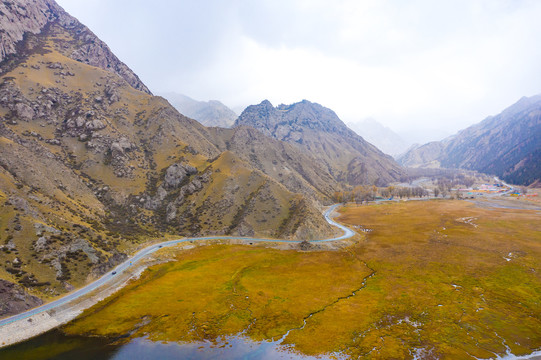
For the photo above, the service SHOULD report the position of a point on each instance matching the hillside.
(208, 113)
(507, 145)
(92, 165)
(298, 171)
(24, 17)
(319, 132)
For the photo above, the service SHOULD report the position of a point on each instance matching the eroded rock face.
(14, 300)
(32, 16)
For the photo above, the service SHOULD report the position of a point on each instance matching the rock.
(120, 146)
(95, 125)
(68, 286)
(24, 111)
(53, 142)
(79, 122)
(14, 300)
(40, 244)
(55, 65)
(176, 173)
(161, 193)
(111, 93)
(171, 212)
(84, 245)
(57, 266)
(40, 228)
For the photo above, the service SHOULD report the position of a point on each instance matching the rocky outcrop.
(20, 17)
(14, 300)
(176, 174)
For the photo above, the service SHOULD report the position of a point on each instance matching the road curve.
(149, 250)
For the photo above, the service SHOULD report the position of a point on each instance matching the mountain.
(298, 171)
(384, 138)
(318, 131)
(93, 166)
(507, 145)
(208, 113)
(24, 17)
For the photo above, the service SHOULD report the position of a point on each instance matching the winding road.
(130, 262)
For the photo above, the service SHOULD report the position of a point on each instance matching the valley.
(136, 226)
(441, 278)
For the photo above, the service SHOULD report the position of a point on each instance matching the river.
(58, 346)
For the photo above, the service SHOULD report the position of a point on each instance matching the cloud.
(415, 64)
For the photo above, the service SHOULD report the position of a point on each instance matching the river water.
(55, 345)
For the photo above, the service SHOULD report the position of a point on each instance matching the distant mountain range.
(507, 145)
(208, 113)
(384, 138)
(318, 131)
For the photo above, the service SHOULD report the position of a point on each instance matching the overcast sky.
(411, 65)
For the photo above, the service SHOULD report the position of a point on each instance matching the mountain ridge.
(507, 145)
(23, 17)
(318, 130)
(211, 113)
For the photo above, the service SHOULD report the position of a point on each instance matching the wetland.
(430, 279)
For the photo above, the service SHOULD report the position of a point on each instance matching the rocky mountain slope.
(23, 17)
(319, 132)
(208, 113)
(381, 136)
(507, 145)
(92, 166)
(296, 170)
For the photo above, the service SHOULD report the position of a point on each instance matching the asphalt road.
(108, 277)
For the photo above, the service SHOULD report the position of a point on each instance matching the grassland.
(438, 279)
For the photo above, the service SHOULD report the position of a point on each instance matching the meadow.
(425, 279)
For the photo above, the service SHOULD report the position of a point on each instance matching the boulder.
(24, 112)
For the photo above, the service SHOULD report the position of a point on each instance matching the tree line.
(361, 193)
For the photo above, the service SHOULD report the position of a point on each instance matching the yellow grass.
(442, 287)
